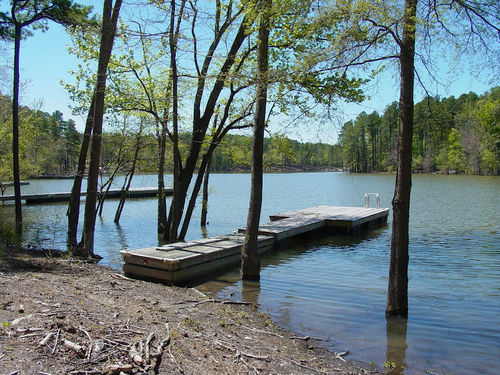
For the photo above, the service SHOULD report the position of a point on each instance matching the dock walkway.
(185, 261)
(64, 197)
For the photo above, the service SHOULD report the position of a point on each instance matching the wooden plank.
(289, 227)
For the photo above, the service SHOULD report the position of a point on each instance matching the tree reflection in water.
(396, 345)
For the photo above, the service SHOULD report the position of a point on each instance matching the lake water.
(334, 287)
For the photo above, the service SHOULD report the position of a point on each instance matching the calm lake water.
(334, 287)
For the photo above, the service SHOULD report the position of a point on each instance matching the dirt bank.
(59, 315)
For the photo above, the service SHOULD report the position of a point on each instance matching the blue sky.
(45, 61)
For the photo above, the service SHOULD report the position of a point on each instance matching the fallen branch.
(123, 277)
(341, 355)
(228, 347)
(117, 369)
(28, 330)
(31, 335)
(78, 349)
(19, 320)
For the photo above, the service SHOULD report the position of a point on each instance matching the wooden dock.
(64, 197)
(181, 262)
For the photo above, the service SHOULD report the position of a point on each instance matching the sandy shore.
(59, 315)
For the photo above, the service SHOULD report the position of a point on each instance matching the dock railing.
(367, 199)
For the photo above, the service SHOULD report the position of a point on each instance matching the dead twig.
(46, 339)
(57, 340)
(306, 338)
(123, 277)
(175, 361)
(260, 331)
(223, 302)
(306, 367)
(250, 366)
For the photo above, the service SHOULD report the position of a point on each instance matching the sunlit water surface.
(334, 287)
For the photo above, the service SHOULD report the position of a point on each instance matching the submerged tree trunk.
(109, 22)
(196, 190)
(204, 199)
(129, 177)
(397, 295)
(15, 134)
(74, 200)
(162, 200)
(250, 264)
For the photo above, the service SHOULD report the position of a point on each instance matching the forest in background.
(460, 135)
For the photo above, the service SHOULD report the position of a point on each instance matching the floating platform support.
(181, 262)
(64, 197)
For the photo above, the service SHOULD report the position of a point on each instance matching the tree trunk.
(196, 189)
(176, 207)
(15, 134)
(397, 295)
(204, 201)
(74, 200)
(129, 177)
(250, 264)
(162, 201)
(200, 127)
(109, 22)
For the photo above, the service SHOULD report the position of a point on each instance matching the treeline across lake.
(50, 145)
(460, 135)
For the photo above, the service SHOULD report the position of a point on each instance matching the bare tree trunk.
(194, 194)
(129, 177)
(74, 200)
(250, 264)
(162, 202)
(204, 201)
(397, 295)
(109, 22)
(176, 207)
(15, 134)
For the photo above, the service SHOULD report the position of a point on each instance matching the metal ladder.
(367, 199)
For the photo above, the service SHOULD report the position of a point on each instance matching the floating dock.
(64, 197)
(182, 262)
